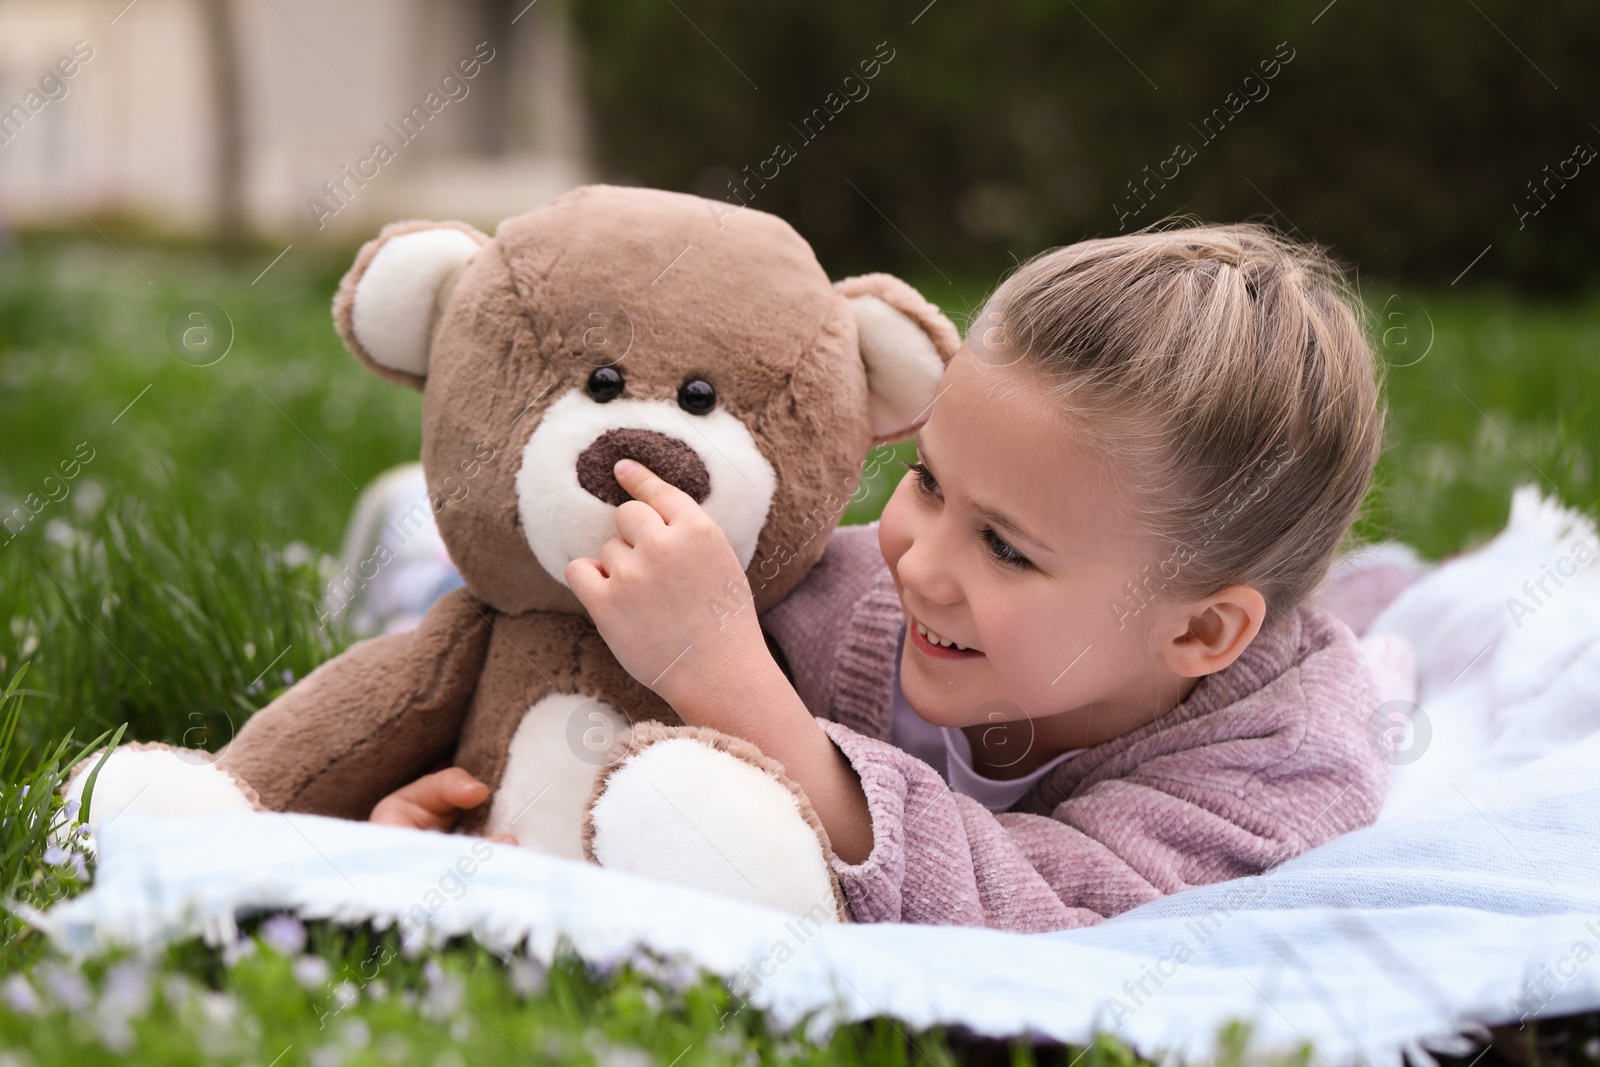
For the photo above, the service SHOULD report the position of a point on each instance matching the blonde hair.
(1228, 369)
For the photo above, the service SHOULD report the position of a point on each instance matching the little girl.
(1074, 667)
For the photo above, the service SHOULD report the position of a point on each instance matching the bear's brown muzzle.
(668, 457)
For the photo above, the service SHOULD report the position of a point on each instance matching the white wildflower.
(356, 1033)
(67, 984)
(239, 949)
(312, 972)
(299, 554)
(345, 996)
(59, 531)
(125, 992)
(443, 999)
(218, 1007)
(528, 976)
(176, 989)
(624, 1056)
(88, 498)
(20, 996)
(433, 973)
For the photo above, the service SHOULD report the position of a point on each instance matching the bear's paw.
(691, 805)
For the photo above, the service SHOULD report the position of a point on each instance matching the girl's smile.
(1008, 547)
(937, 646)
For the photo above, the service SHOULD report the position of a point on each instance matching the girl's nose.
(924, 568)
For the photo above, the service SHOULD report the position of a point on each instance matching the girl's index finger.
(644, 484)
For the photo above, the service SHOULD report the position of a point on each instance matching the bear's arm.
(370, 720)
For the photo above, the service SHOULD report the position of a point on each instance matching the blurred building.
(289, 119)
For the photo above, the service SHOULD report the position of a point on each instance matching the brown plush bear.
(708, 344)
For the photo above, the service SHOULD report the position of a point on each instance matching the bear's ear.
(392, 295)
(905, 344)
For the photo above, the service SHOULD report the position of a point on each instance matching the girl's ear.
(1207, 635)
(393, 294)
(905, 343)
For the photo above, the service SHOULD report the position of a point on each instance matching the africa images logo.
(1399, 732)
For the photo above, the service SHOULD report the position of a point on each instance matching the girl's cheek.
(1004, 632)
(1031, 644)
(894, 526)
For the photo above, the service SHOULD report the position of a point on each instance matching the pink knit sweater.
(1263, 760)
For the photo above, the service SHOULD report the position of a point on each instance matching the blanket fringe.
(1533, 512)
(544, 939)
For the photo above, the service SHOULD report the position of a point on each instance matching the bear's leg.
(692, 805)
(158, 779)
(559, 746)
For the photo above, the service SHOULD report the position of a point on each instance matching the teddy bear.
(704, 341)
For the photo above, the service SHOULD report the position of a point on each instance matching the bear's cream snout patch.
(567, 497)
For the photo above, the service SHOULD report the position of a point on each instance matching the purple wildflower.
(284, 933)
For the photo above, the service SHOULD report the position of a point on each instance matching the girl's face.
(1006, 539)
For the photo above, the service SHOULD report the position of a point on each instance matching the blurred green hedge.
(1403, 135)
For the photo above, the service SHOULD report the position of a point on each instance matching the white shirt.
(947, 750)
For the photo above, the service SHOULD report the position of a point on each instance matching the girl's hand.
(668, 594)
(671, 600)
(434, 802)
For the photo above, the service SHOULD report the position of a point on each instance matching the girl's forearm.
(754, 701)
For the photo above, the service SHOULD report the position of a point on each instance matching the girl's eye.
(925, 481)
(1002, 552)
(998, 548)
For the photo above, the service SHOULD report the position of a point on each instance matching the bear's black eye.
(604, 384)
(696, 396)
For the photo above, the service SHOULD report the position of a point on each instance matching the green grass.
(1485, 393)
(353, 996)
(172, 585)
(42, 855)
